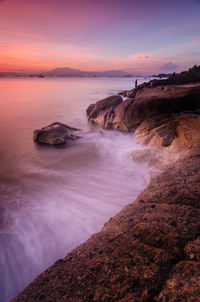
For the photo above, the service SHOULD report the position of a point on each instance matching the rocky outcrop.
(169, 138)
(147, 103)
(141, 254)
(102, 112)
(186, 77)
(55, 134)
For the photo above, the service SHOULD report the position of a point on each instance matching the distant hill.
(69, 72)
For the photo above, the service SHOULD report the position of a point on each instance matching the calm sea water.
(52, 199)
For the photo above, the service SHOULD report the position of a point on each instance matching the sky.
(141, 37)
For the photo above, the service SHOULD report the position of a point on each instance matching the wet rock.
(55, 134)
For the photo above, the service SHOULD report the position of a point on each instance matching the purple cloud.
(169, 66)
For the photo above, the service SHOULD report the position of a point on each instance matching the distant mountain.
(69, 72)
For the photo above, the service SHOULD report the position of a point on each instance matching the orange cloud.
(140, 56)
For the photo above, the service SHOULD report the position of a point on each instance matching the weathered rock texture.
(146, 103)
(103, 110)
(144, 253)
(55, 134)
(169, 137)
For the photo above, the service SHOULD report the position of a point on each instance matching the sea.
(54, 198)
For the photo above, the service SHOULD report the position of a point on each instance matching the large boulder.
(147, 103)
(55, 134)
(102, 112)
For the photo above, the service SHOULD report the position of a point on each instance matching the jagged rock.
(55, 134)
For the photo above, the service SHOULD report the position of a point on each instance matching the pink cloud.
(140, 56)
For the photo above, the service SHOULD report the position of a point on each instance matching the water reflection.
(53, 199)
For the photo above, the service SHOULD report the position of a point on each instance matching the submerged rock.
(55, 134)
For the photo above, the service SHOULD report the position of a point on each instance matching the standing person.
(135, 83)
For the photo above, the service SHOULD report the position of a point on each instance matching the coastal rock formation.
(169, 137)
(150, 251)
(102, 112)
(181, 131)
(191, 76)
(147, 103)
(141, 254)
(55, 134)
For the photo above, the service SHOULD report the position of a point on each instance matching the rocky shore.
(150, 251)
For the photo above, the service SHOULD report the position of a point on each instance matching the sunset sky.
(140, 36)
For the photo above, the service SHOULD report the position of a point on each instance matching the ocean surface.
(51, 198)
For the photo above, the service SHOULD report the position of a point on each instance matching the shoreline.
(140, 254)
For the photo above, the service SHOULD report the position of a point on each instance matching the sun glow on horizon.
(39, 36)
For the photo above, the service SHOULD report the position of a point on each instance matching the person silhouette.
(135, 83)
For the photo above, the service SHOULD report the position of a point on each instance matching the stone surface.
(102, 112)
(169, 137)
(139, 255)
(192, 250)
(145, 103)
(55, 134)
(157, 135)
(183, 285)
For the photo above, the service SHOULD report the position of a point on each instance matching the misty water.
(52, 199)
